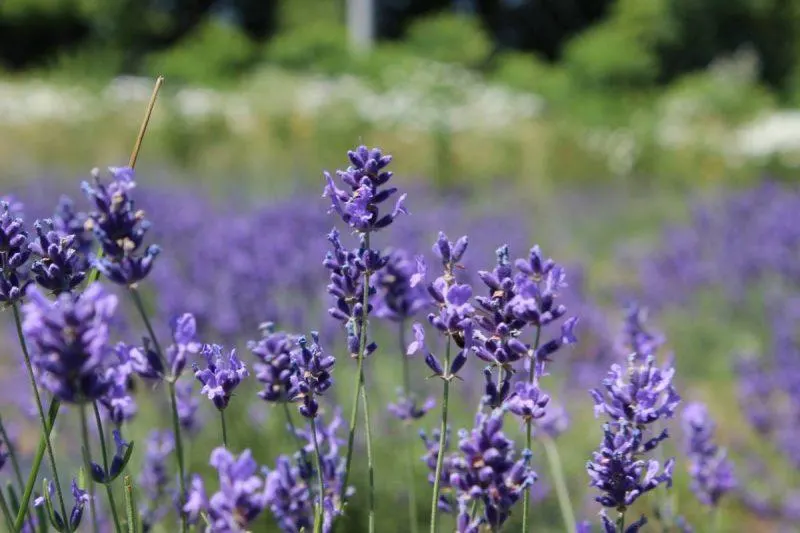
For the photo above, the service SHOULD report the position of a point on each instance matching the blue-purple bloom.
(360, 206)
(118, 462)
(348, 272)
(712, 472)
(241, 496)
(154, 480)
(289, 495)
(58, 267)
(69, 341)
(221, 376)
(486, 470)
(117, 400)
(398, 297)
(431, 443)
(618, 471)
(527, 401)
(274, 369)
(14, 254)
(68, 222)
(119, 228)
(81, 498)
(187, 405)
(636, 338)
(408, 409)
(311, 374)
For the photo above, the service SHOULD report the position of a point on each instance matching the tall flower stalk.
(359, 207)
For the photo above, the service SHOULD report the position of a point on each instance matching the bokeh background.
(652, 146)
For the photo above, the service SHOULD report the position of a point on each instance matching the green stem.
(716, 521)
(526, 498)
(176, 426)
(87, 453)
(224, 428)
(48, 445)
(12, 454)
(556, 470)
(321, 487)
(109, 491)
(6, 511)
(362, 346)
(412, 493)
(130, 504)
(621, 520)
(52, 413)
(442, 438)
(370, 457)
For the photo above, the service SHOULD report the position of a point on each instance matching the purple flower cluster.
(154, 479)
(69, 341)
(485, 470)
(81, 498)
(311, 374)
(274, 367)
(290, 487)
(221, 375)
(431, 443)
(399, 296)
(58, 267)
(635, 399)
(408, 409)
(359, 208)
(119, 228)
(14, 253)
(241, 496)
(712, 473)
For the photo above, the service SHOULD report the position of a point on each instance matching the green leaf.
(125, 460)
(51, 513)
(13, 499)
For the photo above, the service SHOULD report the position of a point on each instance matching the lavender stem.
(14, 461)
(176, 426)
(442, 437)
(109, 491)
(48, 445)
(412, 493)
(6, 511)
(224, 428)
(556, 470)
(318, 518)
(528, 435)
(52, 412)
(87, 453)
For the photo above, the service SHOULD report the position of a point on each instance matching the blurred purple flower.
(712, 472)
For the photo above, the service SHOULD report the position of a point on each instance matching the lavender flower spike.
(712, 473)
(69, 341)
(360, 206)
(312, 375)
(154, 479)
(58, 267)
(241, 497)
(221, 376)
(14, 254)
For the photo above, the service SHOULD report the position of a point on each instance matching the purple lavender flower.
(619, 472)
(118, 462)
(636, 338)
(496, 392)
(59, 267)
(14, 254)
(641, 395)
(399, 298)
(464, 521)
(288, 494)
(184, 343)
(187, 405)
(117, 400)
(3, 453)
(407, 409)
(311, 376)
(431, 443)
(119, 228)
(241, 496)
(486, 470)
(69, 341)
(527, 401)
(348, 268)
(68, 222)
(555, 420)
(81, 498)
(712, 473)
(274, 369)
(360, 207)
(221, 376)
(154, 479)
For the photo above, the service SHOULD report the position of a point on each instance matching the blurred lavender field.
(718, 277)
